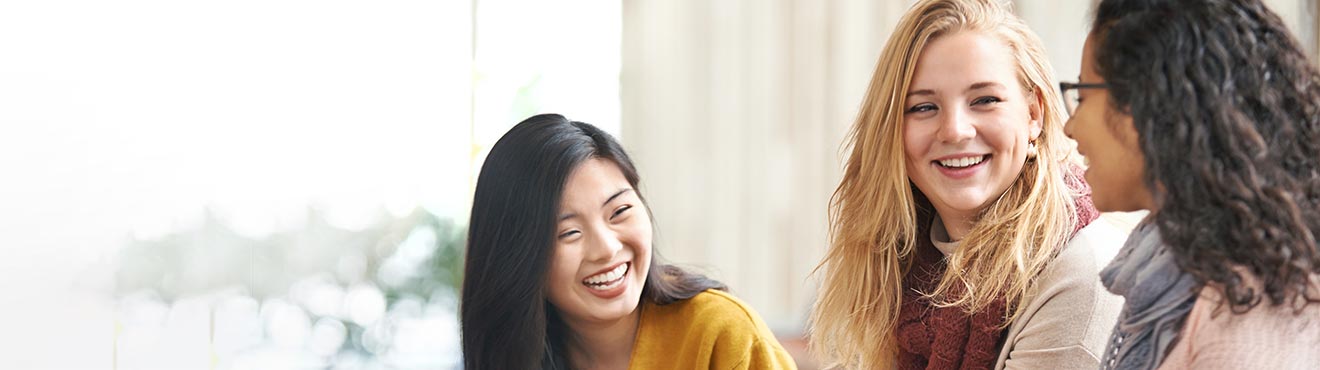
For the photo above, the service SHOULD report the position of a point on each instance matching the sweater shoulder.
(1075, 272)
(1266, 336)
(712, 330)
(1068, 317)
(711, 310)
(1090, 249)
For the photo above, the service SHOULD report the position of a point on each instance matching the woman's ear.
(1035, 108)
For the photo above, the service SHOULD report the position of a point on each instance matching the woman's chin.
(618, 309)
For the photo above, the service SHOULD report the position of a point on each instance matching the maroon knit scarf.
(931, 337)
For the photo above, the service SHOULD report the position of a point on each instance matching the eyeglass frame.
(1064, 87)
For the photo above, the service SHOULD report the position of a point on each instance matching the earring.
(1031, 150)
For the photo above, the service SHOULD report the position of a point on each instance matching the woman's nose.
(955, 126)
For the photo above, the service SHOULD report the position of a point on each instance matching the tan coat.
(1067, 322)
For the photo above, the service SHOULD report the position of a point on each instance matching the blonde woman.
(962, 234)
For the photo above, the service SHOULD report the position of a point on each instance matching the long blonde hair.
(873, 213)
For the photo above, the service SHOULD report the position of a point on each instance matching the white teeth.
(606, 277)
(962, 162)
(606, 286)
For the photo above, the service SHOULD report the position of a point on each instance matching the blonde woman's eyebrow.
(923, 92)
(986, 84)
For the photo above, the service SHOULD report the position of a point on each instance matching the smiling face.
(602, 252)
(967, 125)
(1108, 140)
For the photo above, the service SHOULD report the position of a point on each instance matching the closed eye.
(567, 234)
(620, 211)
(927, 107)
(986, 100)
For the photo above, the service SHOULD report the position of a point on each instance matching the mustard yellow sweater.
(712, 330)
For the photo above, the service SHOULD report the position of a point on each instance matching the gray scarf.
(1158, 297)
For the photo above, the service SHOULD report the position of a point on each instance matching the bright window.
(264, 184)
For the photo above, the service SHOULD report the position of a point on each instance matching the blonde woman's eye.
(986, 100)
(921, 108)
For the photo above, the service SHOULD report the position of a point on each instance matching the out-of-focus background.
(284, 184)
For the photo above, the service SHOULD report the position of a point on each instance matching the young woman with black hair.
(561, 273)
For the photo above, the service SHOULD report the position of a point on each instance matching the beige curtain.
(1300, 16)
(734, 111)
(1313, 16)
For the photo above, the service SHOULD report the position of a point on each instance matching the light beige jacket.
(1067, 322)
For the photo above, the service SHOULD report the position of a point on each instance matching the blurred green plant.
(213, 256)
(416, 256)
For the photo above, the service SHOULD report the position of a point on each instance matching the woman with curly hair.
(962, 233)
(1206, 113)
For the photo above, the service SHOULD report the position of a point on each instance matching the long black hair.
(507, 321)
(1227, 108)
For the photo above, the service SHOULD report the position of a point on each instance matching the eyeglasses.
(1071, 95)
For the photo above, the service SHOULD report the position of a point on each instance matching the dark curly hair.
(1227, 107)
